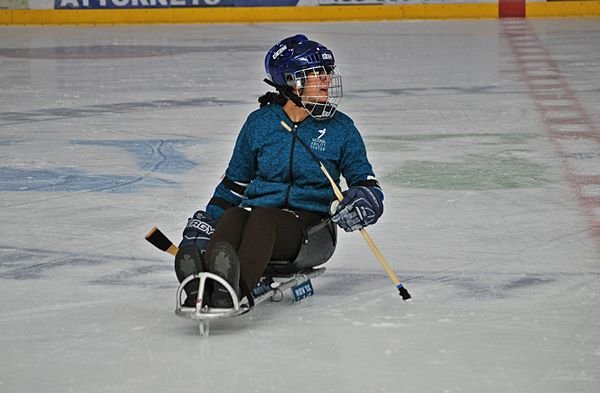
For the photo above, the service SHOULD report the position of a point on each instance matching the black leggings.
(261, 235)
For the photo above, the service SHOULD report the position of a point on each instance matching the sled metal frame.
(204, 314)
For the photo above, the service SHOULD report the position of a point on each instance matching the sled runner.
(269, 288)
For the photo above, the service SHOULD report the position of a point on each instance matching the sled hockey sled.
(269, 288)
(279, 276)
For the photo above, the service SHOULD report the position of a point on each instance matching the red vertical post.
(511, 8)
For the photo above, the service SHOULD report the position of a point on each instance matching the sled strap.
(222, 203)
(319, 226)
(247, 292)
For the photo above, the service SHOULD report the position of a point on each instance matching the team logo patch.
(319, 143)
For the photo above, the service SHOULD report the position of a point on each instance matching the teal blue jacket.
(270, 168)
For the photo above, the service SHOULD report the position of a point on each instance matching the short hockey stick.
(160, 241)
(338, 193)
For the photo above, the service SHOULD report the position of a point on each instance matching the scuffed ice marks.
(32, 264)
(462, 285)
(151, 275)
(24, 264)
(498, 286)
(120, 51)
(51, 114)
(8, 142)
(152, 156)
(422, 91)
(71, 180)
(164, 156)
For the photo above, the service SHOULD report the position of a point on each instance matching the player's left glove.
(360, 207)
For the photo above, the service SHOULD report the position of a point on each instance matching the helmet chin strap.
(315, 110)
(287, 92)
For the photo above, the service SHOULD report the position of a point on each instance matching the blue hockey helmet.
(291, 64)
(293, 54)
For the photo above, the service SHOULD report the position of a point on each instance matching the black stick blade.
(158, 239)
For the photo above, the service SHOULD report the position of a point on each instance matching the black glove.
(198, 231)
(360, 207)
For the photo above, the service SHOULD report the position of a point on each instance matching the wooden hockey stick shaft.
(338, 194)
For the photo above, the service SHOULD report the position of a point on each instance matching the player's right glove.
(198, 231)
(360, 207)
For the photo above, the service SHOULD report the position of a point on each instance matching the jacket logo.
(318, 143)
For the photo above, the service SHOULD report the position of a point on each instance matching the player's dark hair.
(270, 97)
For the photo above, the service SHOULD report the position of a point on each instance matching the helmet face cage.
(319, 89)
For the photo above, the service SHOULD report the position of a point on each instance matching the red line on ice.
(536, 57)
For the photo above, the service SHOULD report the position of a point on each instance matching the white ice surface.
(106, 132)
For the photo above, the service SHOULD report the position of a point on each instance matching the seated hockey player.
(273, 192)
